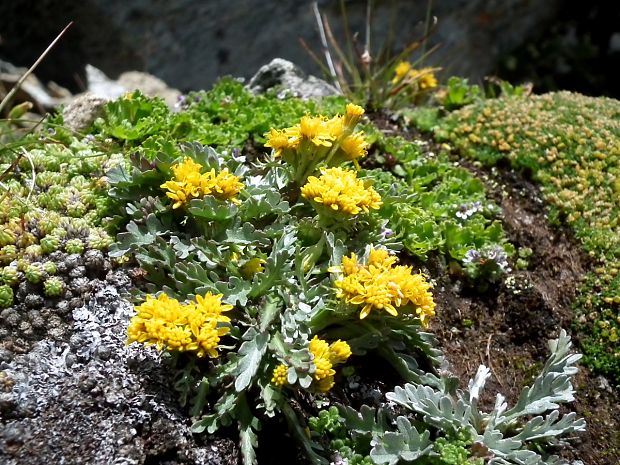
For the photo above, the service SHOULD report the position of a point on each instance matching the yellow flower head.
(192, 327)
(315, 129)
(189, 184)
(352, 115)
(180, 192)
(325, 357)
(339, 352)
(187, 169)
(354, 146)
(226, 186)
(424, 77)
(279, 377)
(277, 140)
(402, 68)
(380, 258)
(335, 127)
(211, 305)
(353, 110)
(318, 141)
(340, 190)
(323, 368)
(325, 384)
(381, 285)
(349, 264)
(251, 267)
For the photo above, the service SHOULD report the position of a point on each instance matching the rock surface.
(190, 44)
(83, 111)
(92, 400)
(289, 80)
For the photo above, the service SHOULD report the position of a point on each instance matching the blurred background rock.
(190, 43)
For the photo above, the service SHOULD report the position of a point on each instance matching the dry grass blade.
(7, 99)
(314, 56)
(13, 165)
(328, 56)
(34, 173)
(368, 16)
(344, 61)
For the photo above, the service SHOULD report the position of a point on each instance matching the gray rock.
(94, 400)
(149, 85)
(101, 85)
(83, 111)
(603, 384)
(289, 80)
(33, 90)
(190, 44)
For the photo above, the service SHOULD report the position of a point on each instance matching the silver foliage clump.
(502, 436)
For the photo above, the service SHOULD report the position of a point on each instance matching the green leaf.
(209, 423)
(181, 249)
(406, 444)
(251, 353)
(212, 209)
(207, 156)
(190, 276)
(262, 201)
(128, 241)
(438, 408)
(269, 311)
(270, 397)
(236, 290)
(245, 235)
(247, 442)
(552, 386)
(366, 421)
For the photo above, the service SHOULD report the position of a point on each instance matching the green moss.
(53, 287)
(50, 243)
(74, 246)
(34, 273)
(226, 116)
(9, 275)
(6, 296)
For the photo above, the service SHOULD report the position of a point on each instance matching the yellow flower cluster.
(252, 266)
(317, 139)
(325, 358)
(340, 190)
(193, 327)
(189, 183)
(279, 375)
(424, 78)
(381, 285)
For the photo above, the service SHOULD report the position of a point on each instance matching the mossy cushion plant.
(570, 144)
(52, 198)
